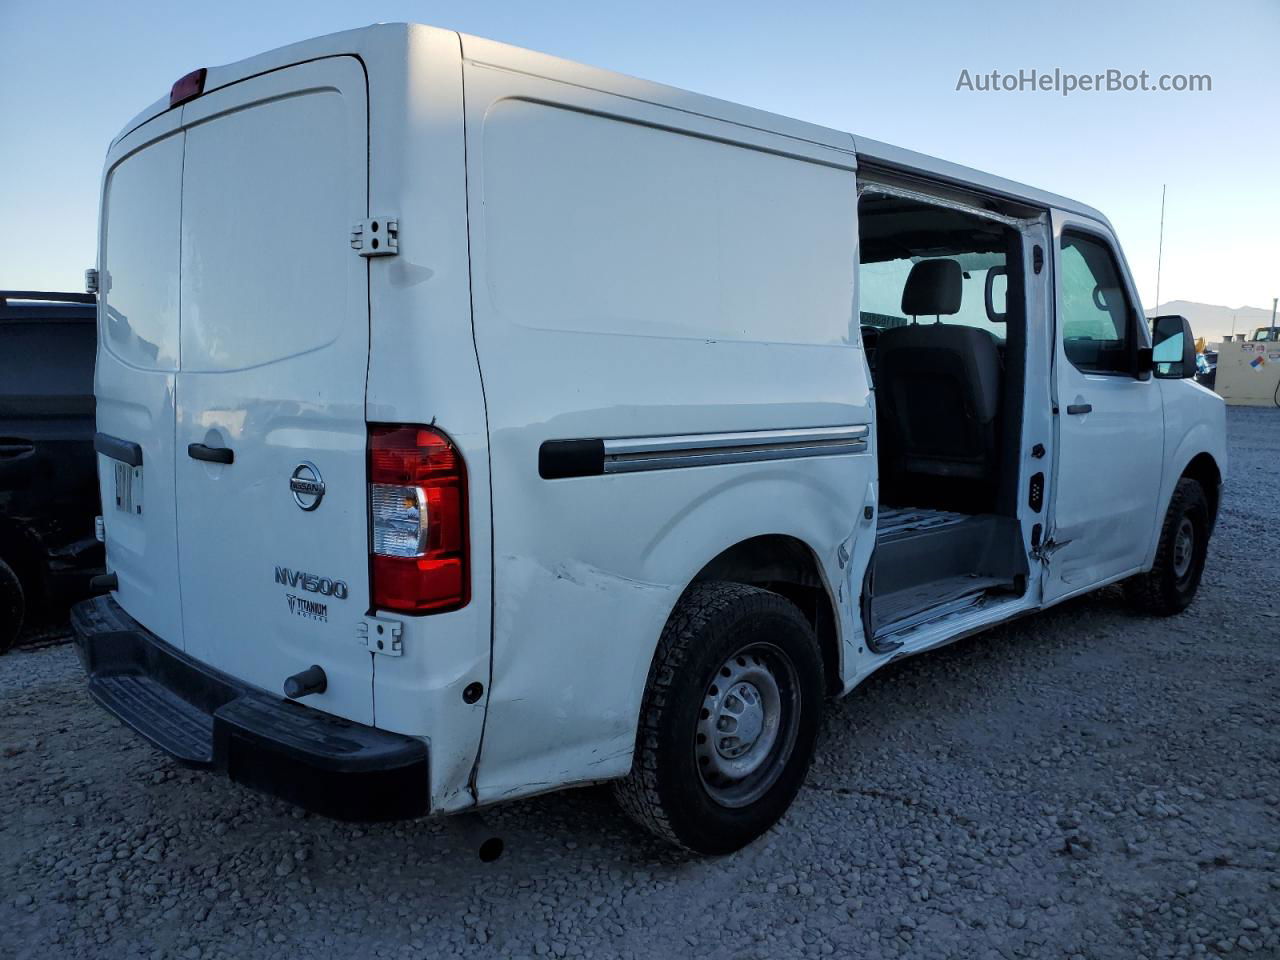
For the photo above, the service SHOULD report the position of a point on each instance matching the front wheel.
(729, 719)
(1171, 584)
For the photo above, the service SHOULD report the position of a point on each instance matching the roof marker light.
(188, 87)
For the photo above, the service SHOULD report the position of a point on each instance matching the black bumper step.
(204, 718)
(159, 714)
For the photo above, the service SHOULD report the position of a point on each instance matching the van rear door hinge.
(376, 237)
(381, 636)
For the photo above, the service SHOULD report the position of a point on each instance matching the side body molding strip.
(560, 459)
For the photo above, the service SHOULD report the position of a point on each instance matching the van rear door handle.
(11, 448)
(126, 451)
(1076, 408)
(198, 451)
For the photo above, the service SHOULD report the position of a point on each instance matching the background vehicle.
(532, 440)
(48, 477)
(1207, 368)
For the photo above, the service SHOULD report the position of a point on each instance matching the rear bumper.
(204, 718)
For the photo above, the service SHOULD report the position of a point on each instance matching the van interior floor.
(927, 561)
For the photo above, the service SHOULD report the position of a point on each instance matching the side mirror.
(1173, 347)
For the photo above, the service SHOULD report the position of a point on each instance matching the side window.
(1097, 318)
(881, 285)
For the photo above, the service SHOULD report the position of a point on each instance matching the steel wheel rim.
(747, 724)
(1184, 543)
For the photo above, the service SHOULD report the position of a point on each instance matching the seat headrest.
(932, 289)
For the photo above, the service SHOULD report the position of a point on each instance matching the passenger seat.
(937, 387)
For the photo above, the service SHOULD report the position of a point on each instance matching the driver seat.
(937, 388)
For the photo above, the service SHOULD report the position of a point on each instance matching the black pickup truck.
(48, 469)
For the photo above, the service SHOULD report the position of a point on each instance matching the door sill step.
(892, 636)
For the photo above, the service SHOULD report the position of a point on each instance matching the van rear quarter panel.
(422, 369)
(642, 271)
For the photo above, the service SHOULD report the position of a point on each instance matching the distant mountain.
(1214, 322)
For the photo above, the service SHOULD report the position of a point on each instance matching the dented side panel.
(639, 271)
(574, 638)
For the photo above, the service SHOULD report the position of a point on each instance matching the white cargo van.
(473, 424)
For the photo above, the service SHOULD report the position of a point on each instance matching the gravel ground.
(1084, 783)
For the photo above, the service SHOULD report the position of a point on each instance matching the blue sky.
(73, 72)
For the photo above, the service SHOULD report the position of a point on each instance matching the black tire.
(1171, 584)
(677, 788)
(12, 607)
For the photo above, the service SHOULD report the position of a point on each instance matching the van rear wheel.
(729, 719)
(1171, 584)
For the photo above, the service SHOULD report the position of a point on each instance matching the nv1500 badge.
(302, 580)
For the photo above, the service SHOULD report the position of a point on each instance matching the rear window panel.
(142, 210)
(266, 224)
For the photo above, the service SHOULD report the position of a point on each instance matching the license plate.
(128, 488)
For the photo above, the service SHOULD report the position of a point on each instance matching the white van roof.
(389, 39)
(909, 161)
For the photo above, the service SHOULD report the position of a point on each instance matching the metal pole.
(1160, 253)
(1274, 300)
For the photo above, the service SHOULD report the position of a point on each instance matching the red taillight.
(417, 519)
(188, 87)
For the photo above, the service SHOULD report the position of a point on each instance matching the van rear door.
(271, 435)
(137, 370)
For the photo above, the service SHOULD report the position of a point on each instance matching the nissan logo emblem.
(307, 485)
